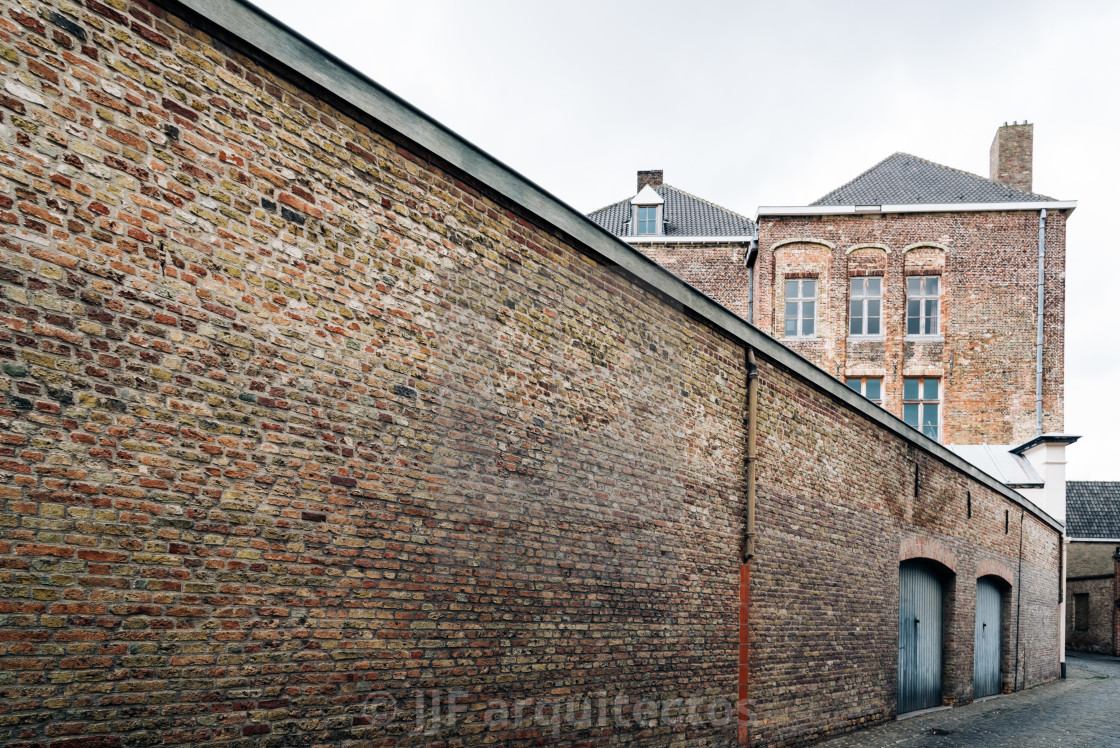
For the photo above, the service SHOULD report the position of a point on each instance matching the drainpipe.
(1041, 306)
(752, 450)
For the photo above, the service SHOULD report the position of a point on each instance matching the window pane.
(910, 389)
(913, 286)
(929, 414)
(932, 315)
(791, 310)
(910, 414)
(791, 289)
(853, 383)
(875, 286)
(856, 318)
(872, 325)
(929, 389)
(930, 431)
(791, 327)
(873, 307)
(931, 285)
(858, 287)
(808, 309)
(807, 327)
(809, 289)
(874, 389)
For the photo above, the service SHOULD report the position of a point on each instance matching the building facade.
(1093, 576)
(322, 427)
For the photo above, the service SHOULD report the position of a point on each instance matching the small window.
(865, 312)
(1081, 611)
(801, 307)
(921, 401)
(923, 305)
(869, 387)
(647, 220)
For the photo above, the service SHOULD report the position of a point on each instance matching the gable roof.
(1093, 509)
(685, 215)
(902, 179)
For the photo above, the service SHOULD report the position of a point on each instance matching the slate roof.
(685, 215)
(902, 179)
(1093, 509)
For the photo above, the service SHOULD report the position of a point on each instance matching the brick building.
(324, 427)
(1093, 571)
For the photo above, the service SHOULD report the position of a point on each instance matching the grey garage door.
(985, 678)
(919, 637)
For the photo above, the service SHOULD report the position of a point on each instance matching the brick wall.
(986, 354)
(1096, 634)
(302, 423)
(719, 270)
(295, 415)
(1090, 558)
(836, 505)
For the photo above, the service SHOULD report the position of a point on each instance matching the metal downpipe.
(752, 451)
(1041, 309)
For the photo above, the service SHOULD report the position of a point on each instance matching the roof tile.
(902, 179)
(685, 215)
(1093, 509)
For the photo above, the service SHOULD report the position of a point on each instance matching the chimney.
(1012, 155)
(653, 178)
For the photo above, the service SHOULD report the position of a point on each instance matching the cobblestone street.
(1083, 710)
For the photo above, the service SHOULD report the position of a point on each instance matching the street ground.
(1082, 710)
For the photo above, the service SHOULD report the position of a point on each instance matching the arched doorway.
(920, 603)
(986, 679)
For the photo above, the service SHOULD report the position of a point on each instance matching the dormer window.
(648, 217)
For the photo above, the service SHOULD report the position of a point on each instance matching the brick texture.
(294, 415)
(718, 270)
(297, 416)
(837, 511)
(985, 355)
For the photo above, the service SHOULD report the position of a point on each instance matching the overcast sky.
(776, 103)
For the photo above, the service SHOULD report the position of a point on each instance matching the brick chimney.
(653, 178)
(1012, 156)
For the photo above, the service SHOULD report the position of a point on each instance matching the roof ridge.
(969, 174)
(852, 181)
(708, 202)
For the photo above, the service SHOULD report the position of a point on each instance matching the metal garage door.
(919, 637)
(985, 678)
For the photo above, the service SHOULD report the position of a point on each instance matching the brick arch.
(802, 240)
(925, 245)
(926, 548)
(990, 567)
(857, 247)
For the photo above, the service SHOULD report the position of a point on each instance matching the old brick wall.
(986, 354)
(836, 507)
(719, 270)
(1097, 637)
(296, 418)
(1090, 558)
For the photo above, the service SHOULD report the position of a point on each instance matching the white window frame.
(863, 298)
(921, 402)
(923, 297)
(862, 388)
(800, 300)
(656, 224)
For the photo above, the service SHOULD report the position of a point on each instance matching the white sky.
(776, 103)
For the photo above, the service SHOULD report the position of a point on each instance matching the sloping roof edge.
(960, 172)
(252, 26)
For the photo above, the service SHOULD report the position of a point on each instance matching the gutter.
(655, 239)
(752, 452)
(253, 31)
(834, 210)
